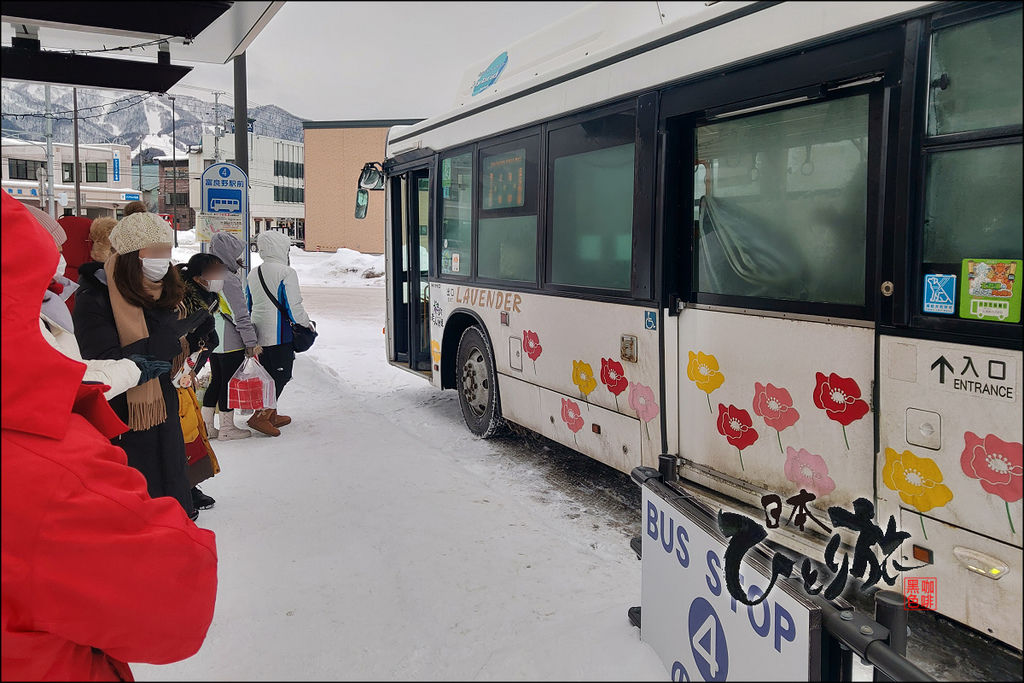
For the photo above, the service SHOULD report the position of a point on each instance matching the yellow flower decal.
(435, 350)
(917, 480)
(583, 377)
(703, 371)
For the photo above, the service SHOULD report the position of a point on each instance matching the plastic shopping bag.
(251, 388)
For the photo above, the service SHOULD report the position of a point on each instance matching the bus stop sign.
(697, 629)
(224, 201)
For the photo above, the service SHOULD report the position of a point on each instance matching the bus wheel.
(478, 384)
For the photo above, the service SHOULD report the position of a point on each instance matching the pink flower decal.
(840, 398)
(571, 415)
(775, 405)
(641, 399)
(997, 464)
(737, 428)
(809, 471)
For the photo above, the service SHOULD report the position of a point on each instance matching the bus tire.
(477, 384)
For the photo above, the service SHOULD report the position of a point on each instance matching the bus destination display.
(504, 180)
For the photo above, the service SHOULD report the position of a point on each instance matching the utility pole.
(217, 130)
(242, 139)
(174, 166)
(78, 174)
(49, 155)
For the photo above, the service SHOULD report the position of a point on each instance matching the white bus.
(739, 243)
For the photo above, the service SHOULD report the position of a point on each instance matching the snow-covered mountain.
(143, 119)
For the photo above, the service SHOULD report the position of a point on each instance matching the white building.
(105, 172)
(276, 178)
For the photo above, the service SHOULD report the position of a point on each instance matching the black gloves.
(150, 367)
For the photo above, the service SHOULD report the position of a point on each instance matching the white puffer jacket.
(273, 328)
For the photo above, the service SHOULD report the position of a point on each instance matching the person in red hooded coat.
(95, 572)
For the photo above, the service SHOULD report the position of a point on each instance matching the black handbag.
(302, 337)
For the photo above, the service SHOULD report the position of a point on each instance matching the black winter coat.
(158, 452)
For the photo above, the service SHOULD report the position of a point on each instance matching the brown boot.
(279, 420)
(260, 421)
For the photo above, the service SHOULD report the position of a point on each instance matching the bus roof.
(608, 50)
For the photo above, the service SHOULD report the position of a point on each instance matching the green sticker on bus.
(989, 290)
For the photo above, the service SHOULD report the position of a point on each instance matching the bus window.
(591, 166)
(457, 215)
(973, 204)
(507, 225)
(972, 174)
(782, 208)
(975, 75)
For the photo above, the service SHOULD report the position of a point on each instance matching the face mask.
(155, 268)
(61, 266)
(214, 286)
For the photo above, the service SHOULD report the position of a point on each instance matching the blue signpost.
(224, 203)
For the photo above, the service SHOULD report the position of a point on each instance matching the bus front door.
(410, 294)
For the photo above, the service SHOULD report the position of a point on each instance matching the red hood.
(78, 248)
(39, 383)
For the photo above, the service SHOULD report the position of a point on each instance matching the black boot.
(201, 500)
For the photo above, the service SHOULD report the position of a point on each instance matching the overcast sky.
(361, 60)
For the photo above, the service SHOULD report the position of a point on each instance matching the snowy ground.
(376, 538)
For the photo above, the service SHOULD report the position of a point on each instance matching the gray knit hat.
(138, 231)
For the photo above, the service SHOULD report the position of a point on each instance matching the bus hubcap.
(475, 383)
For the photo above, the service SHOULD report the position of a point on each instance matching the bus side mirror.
(362, 202)
(371, 177)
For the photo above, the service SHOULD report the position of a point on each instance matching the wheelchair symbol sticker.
(650, 320)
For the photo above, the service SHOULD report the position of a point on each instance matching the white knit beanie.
(138, 231)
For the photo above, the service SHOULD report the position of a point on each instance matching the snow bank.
(343, 268)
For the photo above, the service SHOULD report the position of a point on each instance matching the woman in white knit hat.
(131, 305)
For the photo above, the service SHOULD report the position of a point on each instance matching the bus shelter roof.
(118, 45)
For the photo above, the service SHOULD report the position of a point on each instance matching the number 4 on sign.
(706, 630)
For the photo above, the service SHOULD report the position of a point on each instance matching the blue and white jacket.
(272, 327)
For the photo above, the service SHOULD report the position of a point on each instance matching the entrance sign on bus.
(224, 202)
(975, 374)
(697, 629)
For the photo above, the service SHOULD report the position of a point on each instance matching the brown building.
(335, 154)
(173, 199)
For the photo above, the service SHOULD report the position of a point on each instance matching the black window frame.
(866, 311)
(92, 172)
(64, 169)
(644, 287)
(639, 225)
(30, 167)
(949, 327)
(532, 139)
(438, 212)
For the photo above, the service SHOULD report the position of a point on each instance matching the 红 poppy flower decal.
(583, 377)
(613, 377)
(532, 347)
(702, 369)
(997, 464)
(809, 471)
(641, 399)
(775, 405)
(840, 398)
(917, 480)
(571, 416)
(737, 428)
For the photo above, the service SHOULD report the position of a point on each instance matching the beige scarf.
(146, 408)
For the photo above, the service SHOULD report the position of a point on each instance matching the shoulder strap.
(273, 298)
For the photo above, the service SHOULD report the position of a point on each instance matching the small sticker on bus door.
(455, 262)
(939, 293)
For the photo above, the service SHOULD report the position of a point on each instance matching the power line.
(62, 115)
